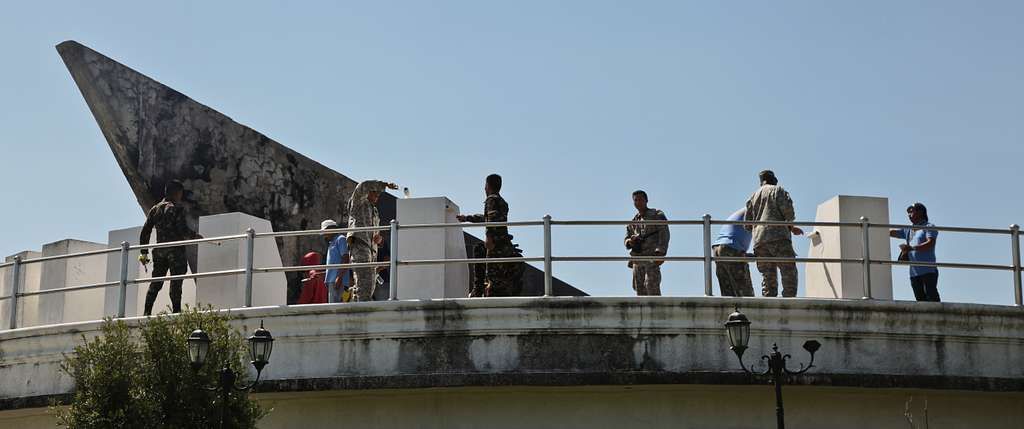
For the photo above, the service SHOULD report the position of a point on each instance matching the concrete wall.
(577, 341)
(695, 406)
(662, 362)
(646, 406)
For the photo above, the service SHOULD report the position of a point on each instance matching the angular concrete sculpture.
(158, 134)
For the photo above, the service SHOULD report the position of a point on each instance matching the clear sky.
(576, 104)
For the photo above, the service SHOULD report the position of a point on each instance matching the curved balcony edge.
(585, 341)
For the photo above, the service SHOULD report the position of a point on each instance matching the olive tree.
(142, 377)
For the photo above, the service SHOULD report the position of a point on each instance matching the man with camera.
(646, 240)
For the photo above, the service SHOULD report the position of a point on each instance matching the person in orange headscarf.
(313, 289)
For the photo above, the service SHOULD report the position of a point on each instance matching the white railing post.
(250, 246)
(15, 279)
(1015, 240)
(548, 287)
(122, 290)
(865, 229)
(393, 265)
(707, 255)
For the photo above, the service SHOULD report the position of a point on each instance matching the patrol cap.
(172, 187)
(328, 224)
(767, 176)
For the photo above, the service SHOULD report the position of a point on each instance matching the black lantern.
(738, 328)
(198, 347)
(261, 343)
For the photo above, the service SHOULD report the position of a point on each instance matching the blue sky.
(576, 104)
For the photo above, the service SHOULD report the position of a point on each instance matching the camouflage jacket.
(654, 237)
(769, 203)
(363, 213)
(170, 221)
(495, 210)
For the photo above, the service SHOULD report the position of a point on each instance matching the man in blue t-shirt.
(337, 253)
(733, 240)
(919, 247)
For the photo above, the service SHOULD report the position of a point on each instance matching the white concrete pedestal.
(229, 291)
(29, 281)
(135, 300)
(431, 281)
(835, 280)
(76, 306)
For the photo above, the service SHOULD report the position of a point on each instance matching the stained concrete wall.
(591, 341)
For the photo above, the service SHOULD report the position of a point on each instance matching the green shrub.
(124, 381)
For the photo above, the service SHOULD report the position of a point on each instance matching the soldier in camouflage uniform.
(646, 240)
(169, 218)
(772, 203)
(504, 279)
(362, 246)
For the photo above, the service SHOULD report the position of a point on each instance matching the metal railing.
(706, 222)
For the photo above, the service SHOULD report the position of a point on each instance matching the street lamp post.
(738, 328)
(261, 343)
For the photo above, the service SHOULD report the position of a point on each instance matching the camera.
(636, 243)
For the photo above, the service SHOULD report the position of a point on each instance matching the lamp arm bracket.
(802, 369)
(250, 385)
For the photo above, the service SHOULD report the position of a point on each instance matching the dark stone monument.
(158, 134)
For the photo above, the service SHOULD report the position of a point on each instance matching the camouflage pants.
(365, 279)
(769, 279)
(733, 277)
(164, 261)
(646, 278)
(495, 279)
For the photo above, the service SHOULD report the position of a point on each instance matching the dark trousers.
(176, 263)
(926, 287)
